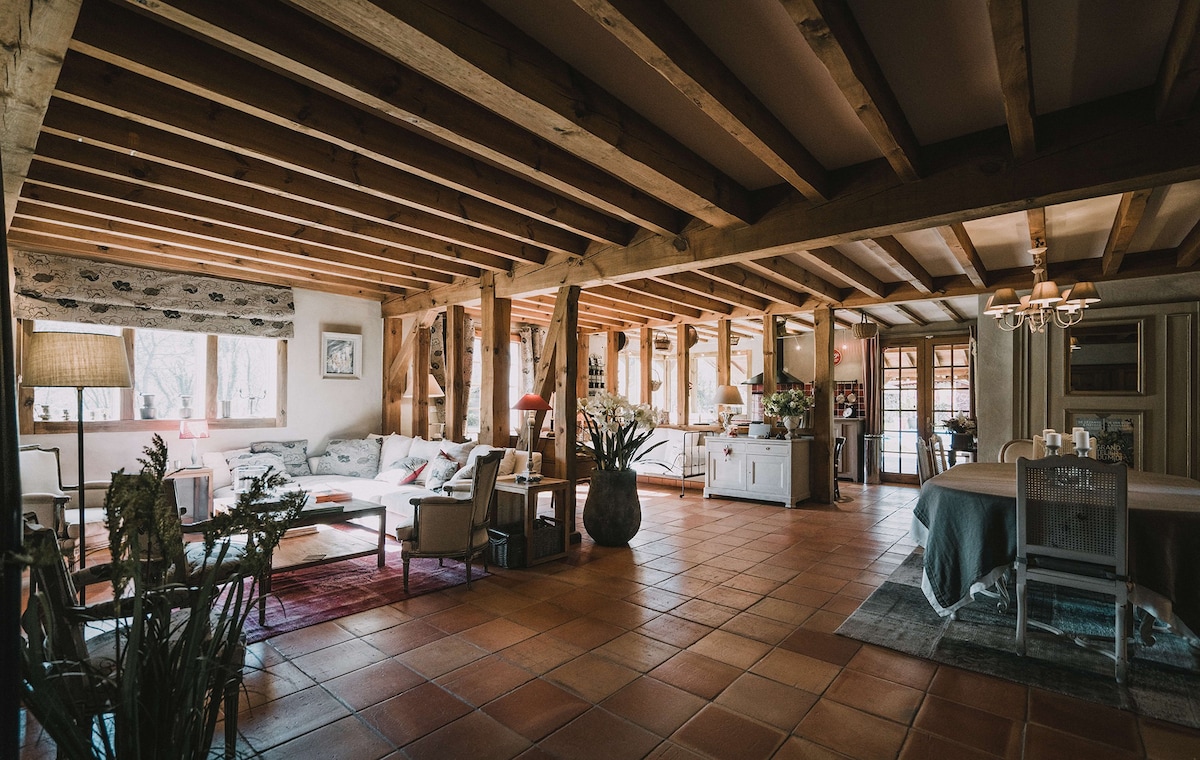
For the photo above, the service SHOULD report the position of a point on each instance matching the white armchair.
(43, 493)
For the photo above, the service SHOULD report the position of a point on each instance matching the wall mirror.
(1105, 358)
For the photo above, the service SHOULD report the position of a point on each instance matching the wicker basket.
(507, 544)
(547, 537)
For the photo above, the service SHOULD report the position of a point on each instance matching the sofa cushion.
(405, 471)
(293, 453)
(441, 469)
(356, 457)
(274, 462)
(459, 452)
(218, 462)
(394, 448)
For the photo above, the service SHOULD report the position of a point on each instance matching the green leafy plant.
(790, 403)
(178, 647)
(618, 430)
(961, 424)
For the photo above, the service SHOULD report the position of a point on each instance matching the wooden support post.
(544, 382)
(770, 345)
(821, 451)
(583, 351)
(457, 360)
(566, 402)
(724, 351)
(682, 374)
(611, 362)
(496, 315)
(420, 385)
(399, 342)
(646, 347)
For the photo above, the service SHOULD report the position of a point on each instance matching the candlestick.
(1053, 442)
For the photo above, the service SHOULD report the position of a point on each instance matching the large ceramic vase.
(612, 513)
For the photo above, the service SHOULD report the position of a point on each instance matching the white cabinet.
(763, 469)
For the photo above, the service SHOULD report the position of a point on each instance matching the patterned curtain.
(533, 341)
(67, 289)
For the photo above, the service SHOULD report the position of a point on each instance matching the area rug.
(300, 598)
(1163, 682)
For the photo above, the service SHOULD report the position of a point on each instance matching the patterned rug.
(300, 598)
(1163, 682)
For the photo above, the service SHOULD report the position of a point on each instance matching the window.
(176, 375)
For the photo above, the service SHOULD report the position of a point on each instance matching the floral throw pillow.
(353, 457)
(255, 464)
(441, 469)
(403, 471)
(293, 453)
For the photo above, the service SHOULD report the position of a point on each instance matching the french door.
(925, 382)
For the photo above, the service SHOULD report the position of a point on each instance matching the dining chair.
(937, 454)
(449, 528)
(924, 461)
(1013, 450)
(1072, 518)
(43, 493)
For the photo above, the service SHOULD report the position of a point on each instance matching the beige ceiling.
(680, 160)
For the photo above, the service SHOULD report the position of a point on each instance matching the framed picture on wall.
(1118, 435)
(341, 355)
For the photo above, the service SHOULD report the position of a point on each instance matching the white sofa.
(383, 488)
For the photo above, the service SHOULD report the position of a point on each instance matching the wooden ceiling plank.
(797, 275)
(669, 292)
(33, 41)
(1010, 37)
(892, 251)
(743, 279)
(138, 44)
(304, 222)
(841, 265)
(1125, 223)
(916, 318)
(308, 51)
(949, 310)
(716, 292)
(1179, 73)
(663, 41)
(268, 185)
(46, 221)
(147, 103)
(591, 299)
(160, 257)
(834, 35)
(254, 244)
(626, 295)
(1189, 249)
(959, 242)
(483, 56)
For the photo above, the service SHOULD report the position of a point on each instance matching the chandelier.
(1045, 305)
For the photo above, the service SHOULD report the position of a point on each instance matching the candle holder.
(1052, 450)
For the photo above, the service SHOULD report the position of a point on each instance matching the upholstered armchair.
(445, 527)
(43, 493)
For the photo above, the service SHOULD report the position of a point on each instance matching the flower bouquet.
(618, 430)
(961, 424)
(790, 403)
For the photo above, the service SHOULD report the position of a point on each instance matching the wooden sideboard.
(763, 469)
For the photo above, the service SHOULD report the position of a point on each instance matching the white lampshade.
(75, 360)
(729, 395)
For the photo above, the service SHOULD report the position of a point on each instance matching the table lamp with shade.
(531, 403)
(76, 360)
(193, 430)
(728, 396)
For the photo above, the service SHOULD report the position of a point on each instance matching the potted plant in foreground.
(790, 406)
(178, 643)
(619, 430)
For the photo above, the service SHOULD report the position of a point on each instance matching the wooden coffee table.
(327, 513)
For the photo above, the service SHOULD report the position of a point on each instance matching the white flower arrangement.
(789, 403)
(618, 430)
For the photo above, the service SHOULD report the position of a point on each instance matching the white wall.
(317, 409)
(799, 356)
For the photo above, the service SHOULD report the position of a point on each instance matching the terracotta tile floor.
(711, 637)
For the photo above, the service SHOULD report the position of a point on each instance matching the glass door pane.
(900, 410)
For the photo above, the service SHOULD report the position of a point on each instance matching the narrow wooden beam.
(750, 282)
(1125, 224)
(1010, 37)
(916, 318)
(457, 362)
(611, 359)
(494, 363)
(646, 363)
(713, 294)
(724, 351)
(821, 450)
(566, 402)
(1189, 250)
(1179, 75)
(418, 383)
(672, 292)
(949, 310)
(33, 41)
(893, 251)
(959, 243)
(798, 276)
(844, 267)
(770, 348)
(682, 374)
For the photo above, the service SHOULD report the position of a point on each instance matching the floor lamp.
(76, 360)
(531, 403)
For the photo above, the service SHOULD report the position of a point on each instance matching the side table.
(193, 493)
(557, 487)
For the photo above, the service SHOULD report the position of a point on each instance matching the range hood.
(782, 377)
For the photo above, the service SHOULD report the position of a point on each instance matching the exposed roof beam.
(482, 55)
(834, 36)
(308, 51)
(589, 300)
(679, 296)
(884, 323)
(713, 293)
(1189, 249)
(663, 41)
(625, 295)
(1179, 75)
(1128, 217)
(916, 318)
(1036, 219)
(960, 245)
(738, 277)
(841, 265)
(122, 38)
(949, 310)
(797, 276)
(893, 252)
(1010, 36)
(33, 41)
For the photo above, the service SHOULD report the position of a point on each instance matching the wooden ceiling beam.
(1179, 73)
(137, 44)
(797, 276)
(308, 51)
(626, 295)
(33, 41)
(949, 310)
(834, 35)
(1189, 249)
(884, 323)
(680, 296)
(147, 103)
(738, 277)
(1125, 223)
(592, 321)
(717, 292)
(916, 318)
(592, 300)
(841, 265)
(896, 256)
(1010, 38)
(482, 55)
(665, 43)
(1036, 219)
(959, 242)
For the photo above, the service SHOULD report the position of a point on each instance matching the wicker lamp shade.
(864, 330)
(75, 360)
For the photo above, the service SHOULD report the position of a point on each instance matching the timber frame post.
(821, 452)
(399, 347)
(457, 362)
(420, 388)
(646, 365)
(724, 351)
(496, 315)
(566, 402)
